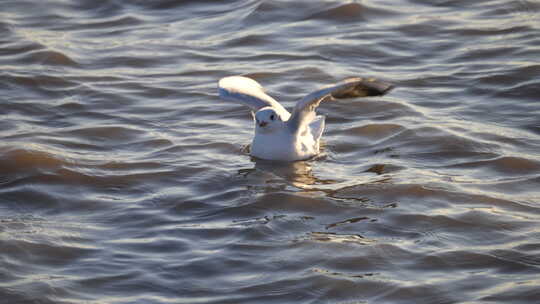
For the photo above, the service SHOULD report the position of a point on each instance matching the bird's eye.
(272, 117)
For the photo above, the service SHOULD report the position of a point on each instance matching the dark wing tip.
(364, 87)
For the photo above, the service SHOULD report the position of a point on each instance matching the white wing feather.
(250, 93)
(304, 110)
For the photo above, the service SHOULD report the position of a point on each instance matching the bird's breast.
(282, 146)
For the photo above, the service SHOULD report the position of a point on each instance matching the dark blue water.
(124, 178)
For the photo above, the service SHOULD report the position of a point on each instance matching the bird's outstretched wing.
(304, 111)
(248, 92)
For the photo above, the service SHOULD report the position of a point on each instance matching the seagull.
(284, 136)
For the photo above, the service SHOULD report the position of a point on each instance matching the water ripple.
(124, 179)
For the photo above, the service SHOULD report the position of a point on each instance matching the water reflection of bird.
(279, 175)
(298, 174)
(284, 136)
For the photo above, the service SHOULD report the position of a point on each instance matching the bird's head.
(267, 120)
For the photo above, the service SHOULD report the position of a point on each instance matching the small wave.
(331, 237)
(17, 160)
(41, 82)
(247, 40)
(349, 11)
(517, 256)
(95, 8)
(525, 90)
(522, 292)
(19, 48)
(100, 135)
(506, 164)
(170, 4)
(376, 132)
(50, 57)
(522, 9)
(498, 31)
(115, 23)
(130, 61)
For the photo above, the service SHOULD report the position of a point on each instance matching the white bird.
(280, 135)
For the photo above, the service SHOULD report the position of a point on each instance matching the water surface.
(124, 179)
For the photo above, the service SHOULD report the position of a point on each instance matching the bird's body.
(284, 136)
(292, 146)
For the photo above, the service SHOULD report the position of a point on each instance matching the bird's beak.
(262, 124)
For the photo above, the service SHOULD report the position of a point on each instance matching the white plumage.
(284, 136)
